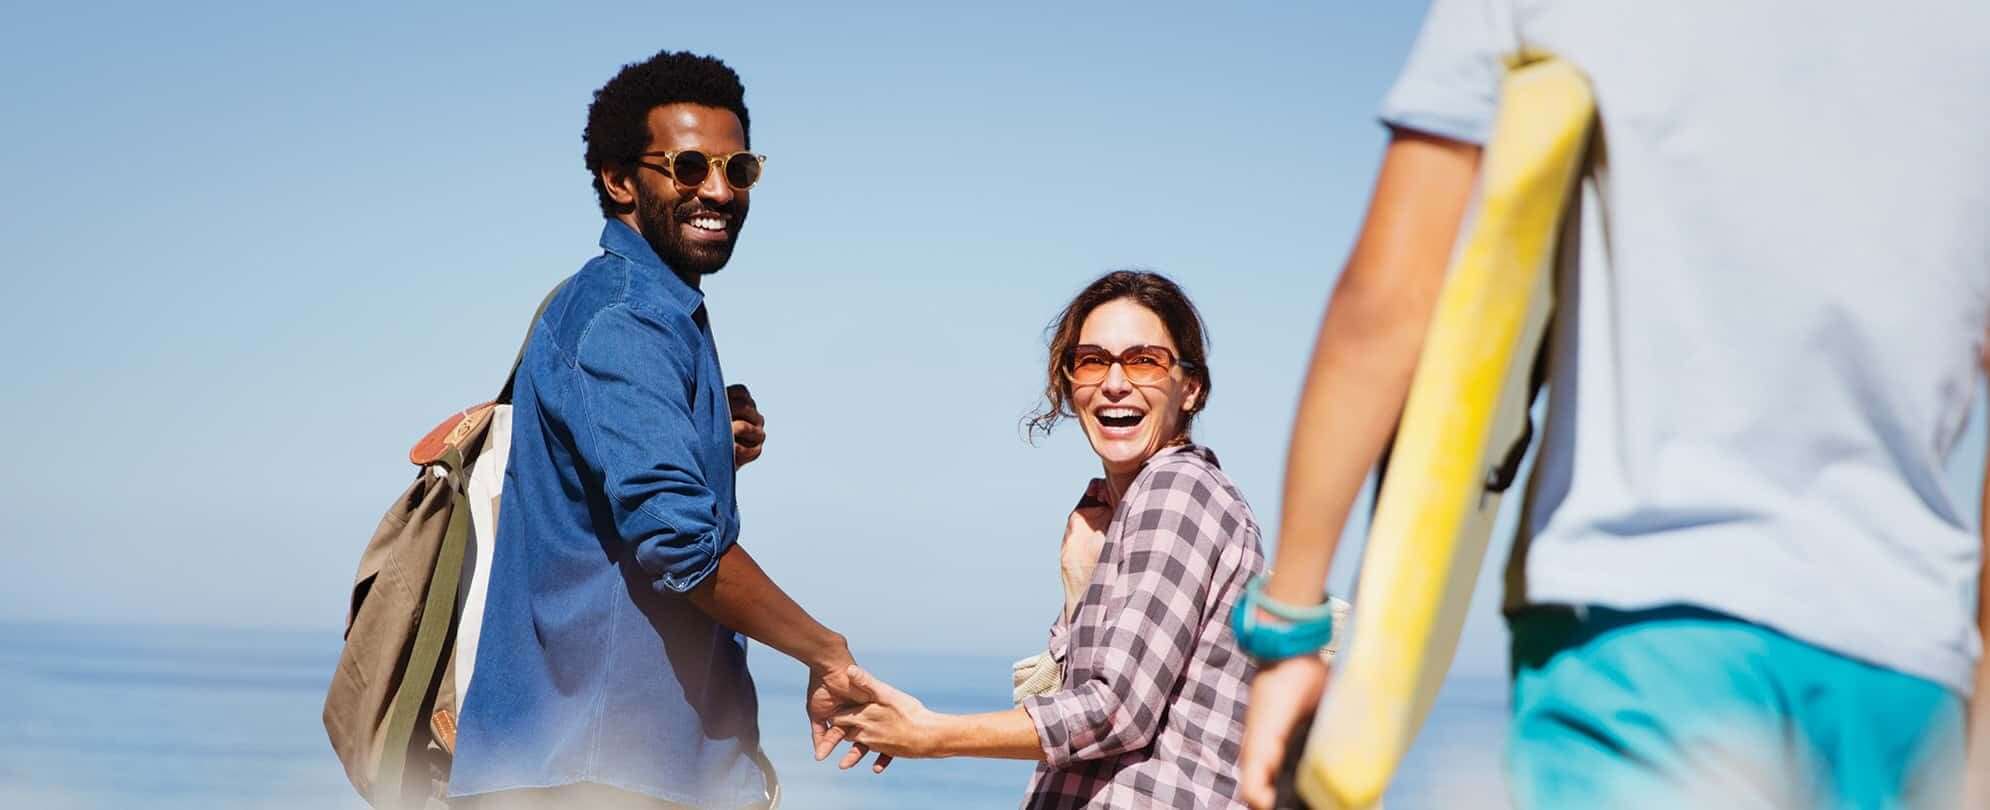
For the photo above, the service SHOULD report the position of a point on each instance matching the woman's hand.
(887, 721)
(1084, 535)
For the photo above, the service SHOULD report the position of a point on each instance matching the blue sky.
(251, 255)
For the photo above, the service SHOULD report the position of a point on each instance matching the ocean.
(174, 717)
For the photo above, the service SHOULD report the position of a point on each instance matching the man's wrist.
(830, 654)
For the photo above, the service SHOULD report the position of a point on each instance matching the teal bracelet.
(1301, 631)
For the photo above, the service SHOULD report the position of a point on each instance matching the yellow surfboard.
(1466, 413)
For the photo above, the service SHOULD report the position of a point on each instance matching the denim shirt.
(618, 498)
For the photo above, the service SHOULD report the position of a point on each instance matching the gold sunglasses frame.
(717, 162)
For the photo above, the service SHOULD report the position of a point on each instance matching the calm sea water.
(190, 717)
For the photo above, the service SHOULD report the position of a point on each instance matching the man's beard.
(661, 229)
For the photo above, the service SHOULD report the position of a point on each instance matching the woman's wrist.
(939, 735)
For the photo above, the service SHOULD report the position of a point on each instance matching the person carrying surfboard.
(1740, 580)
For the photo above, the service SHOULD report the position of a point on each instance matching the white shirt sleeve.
(1450, 85)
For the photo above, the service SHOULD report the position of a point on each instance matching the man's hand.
(1084, 536)
(883, 719)
(824, 698)
(740, 595)
(1282, 694)
(749, 428)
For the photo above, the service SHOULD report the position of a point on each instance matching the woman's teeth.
(1119, 417)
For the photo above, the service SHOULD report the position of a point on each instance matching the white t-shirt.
(1769, 342)
(486, 487)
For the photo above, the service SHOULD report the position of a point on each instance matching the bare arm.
(1367, 350)
(740, 595)
(637, 428)
(1360, 374)
(1000, 735)
(1977, 770)
(895, 724)
(1150, 614)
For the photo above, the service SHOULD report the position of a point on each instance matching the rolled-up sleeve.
(1152, 619)
(637, 373)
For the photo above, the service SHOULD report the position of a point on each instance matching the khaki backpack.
(391, 709)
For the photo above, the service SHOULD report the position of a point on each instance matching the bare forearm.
(993, 735)
(1367, 351)
(1348, 409)
(1979, 704)
(1976, 752)
(740, 595)
(1976, 768)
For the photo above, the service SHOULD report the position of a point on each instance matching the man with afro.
(611, 670)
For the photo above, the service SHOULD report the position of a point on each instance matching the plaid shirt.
(1151, 710)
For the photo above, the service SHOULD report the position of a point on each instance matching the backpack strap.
(438, 617)
(438, 614)
(504, 394)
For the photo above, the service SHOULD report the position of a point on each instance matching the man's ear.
(620, 181)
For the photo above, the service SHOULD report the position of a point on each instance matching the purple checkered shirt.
(1151, 710)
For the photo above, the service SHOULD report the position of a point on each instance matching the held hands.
(1281, 694)
(822, 701)
(852, 705)
(749, 428)
(834, 693)
(878, 717)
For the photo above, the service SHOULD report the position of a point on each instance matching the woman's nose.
(1115, 383)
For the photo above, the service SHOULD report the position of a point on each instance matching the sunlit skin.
(891, 723)
(1363, 358)
(692, 228)
(738, 593)
(1117, 326)
(1977, 747)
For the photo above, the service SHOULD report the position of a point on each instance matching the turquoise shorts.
(1682, 707)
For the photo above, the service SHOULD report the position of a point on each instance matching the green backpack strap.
(438, 617)
(438, 614)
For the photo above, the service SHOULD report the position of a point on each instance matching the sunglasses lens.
(742, 171)
(1088, 369)
(690, 167)
(1147, 366)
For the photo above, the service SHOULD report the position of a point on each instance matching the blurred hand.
(885, 720)
(1282, 694)
(749, 428)
(1084, 536)
(1976, 773)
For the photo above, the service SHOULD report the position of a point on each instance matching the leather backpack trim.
(451, 435)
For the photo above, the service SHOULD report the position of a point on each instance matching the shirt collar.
(620, 239)
(1190, 448)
